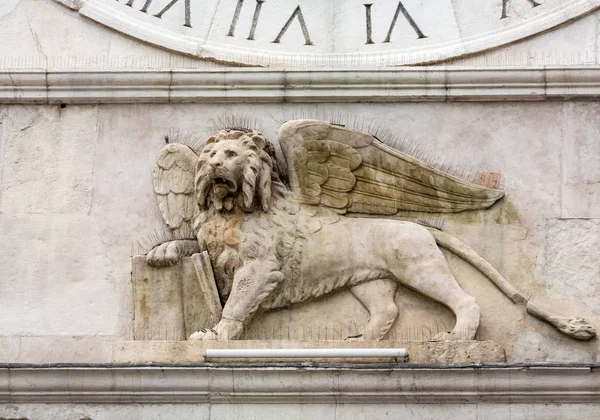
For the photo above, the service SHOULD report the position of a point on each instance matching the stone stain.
(233, 230)
(173, 298)
(468, 217)
(508, 214)
(226, 230)
(502, 213)
(143, 306)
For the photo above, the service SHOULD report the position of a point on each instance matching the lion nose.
(216, 162)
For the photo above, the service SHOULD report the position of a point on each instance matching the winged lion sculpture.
(276, 237)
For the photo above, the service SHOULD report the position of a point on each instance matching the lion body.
(354, 251)
(267, 252)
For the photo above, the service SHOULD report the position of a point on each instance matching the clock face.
(332, 33)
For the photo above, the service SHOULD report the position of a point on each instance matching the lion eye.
(213, 153)
(231, 153)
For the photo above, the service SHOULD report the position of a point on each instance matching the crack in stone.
(38, 44)
(17, 93)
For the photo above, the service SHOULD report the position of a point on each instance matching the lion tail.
(458, 247)
(577, 328)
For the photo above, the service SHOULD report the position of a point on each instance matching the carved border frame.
(99, 12)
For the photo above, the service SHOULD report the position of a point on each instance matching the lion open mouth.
(222, 187)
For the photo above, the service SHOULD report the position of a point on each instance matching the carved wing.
(350, 171)
(173, 181)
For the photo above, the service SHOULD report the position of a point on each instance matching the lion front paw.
(163, 255)
(226, 329)
(205, 335)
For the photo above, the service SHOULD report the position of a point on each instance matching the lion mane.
(259, 174)
(259, 220)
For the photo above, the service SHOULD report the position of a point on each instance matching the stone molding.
(300, 383)
(252, 85)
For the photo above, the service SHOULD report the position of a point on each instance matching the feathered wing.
(350, 171)
(173, 182)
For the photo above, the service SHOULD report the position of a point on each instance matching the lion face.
(226, 161)
(234, 169)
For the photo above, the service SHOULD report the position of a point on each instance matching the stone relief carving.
(276, 237)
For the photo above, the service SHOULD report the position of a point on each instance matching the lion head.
(236, 167)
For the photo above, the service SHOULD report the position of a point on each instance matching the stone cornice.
(257, 85)
(299, 384)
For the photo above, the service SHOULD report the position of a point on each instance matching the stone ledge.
(276, 86)
(299, 385)
(422, 352)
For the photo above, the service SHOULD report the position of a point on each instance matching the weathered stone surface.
(420, 352)
(56, 348)
(566, 45)
(581, 175)
(513, 235)
(59, 279)
(45, 34)
(529, 348)
(48, 157)
(568, 261)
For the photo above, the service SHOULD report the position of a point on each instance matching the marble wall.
(77, 151)
(76, 197)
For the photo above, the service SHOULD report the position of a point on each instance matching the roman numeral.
(236, 16)
(144, 9)
(297, 14)
(399, 9)
(369, 24)
(505, 7)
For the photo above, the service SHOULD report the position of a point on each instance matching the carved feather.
(340, 179)
(347, 170)
(173, 182)
(317, 151)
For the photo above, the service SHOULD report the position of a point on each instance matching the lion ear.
(260, 142)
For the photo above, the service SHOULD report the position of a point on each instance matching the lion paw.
(225, 330)
(163, 255)
(205, 335)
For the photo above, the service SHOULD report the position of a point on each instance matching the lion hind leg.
(435, 280)
(377, 296)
